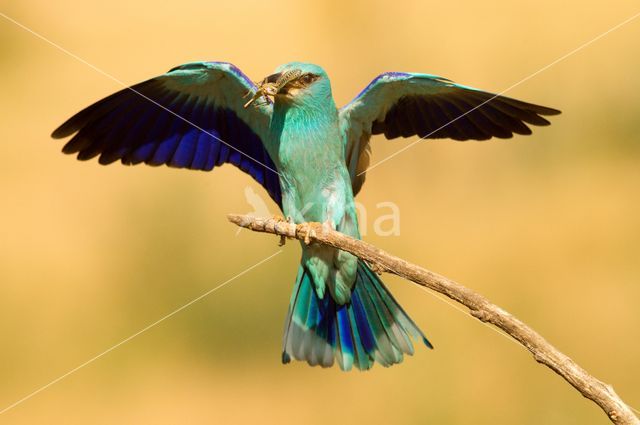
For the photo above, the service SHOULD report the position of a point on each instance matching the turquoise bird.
(311, 158)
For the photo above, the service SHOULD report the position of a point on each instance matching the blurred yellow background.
(547, 226)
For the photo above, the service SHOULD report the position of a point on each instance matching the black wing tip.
(503, 136)
(72, 147)
(63, 131)
(86, 155)
(110, 159)
(543, 110)
(532, 107)
(68, 151)
(524, 130)
(540, 122)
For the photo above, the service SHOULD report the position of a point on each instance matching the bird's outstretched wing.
(405, 104)
(191, 117)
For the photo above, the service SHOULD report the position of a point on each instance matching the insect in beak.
(271, 85)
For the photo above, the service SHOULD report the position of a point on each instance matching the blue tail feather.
(398, 312)
(397, 339)
(371, 328)
(346, 341)
(360, 354)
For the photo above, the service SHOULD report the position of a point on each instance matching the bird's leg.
(289, 219)
(277, 217)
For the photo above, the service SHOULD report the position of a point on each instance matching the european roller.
(311, 158)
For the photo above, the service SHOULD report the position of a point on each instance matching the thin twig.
(479, 307)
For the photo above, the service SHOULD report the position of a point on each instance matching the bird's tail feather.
(372, 327)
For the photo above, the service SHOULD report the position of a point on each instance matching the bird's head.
(298, 83)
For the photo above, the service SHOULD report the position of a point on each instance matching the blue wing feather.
(202, 152)
(146, 123)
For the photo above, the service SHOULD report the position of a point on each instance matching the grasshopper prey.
(269, 88)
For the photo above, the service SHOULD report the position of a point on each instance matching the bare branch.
(479, 307)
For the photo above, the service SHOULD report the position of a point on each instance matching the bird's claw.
(308, 232)
(289, 219)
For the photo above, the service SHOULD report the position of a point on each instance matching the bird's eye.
(307, 78)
